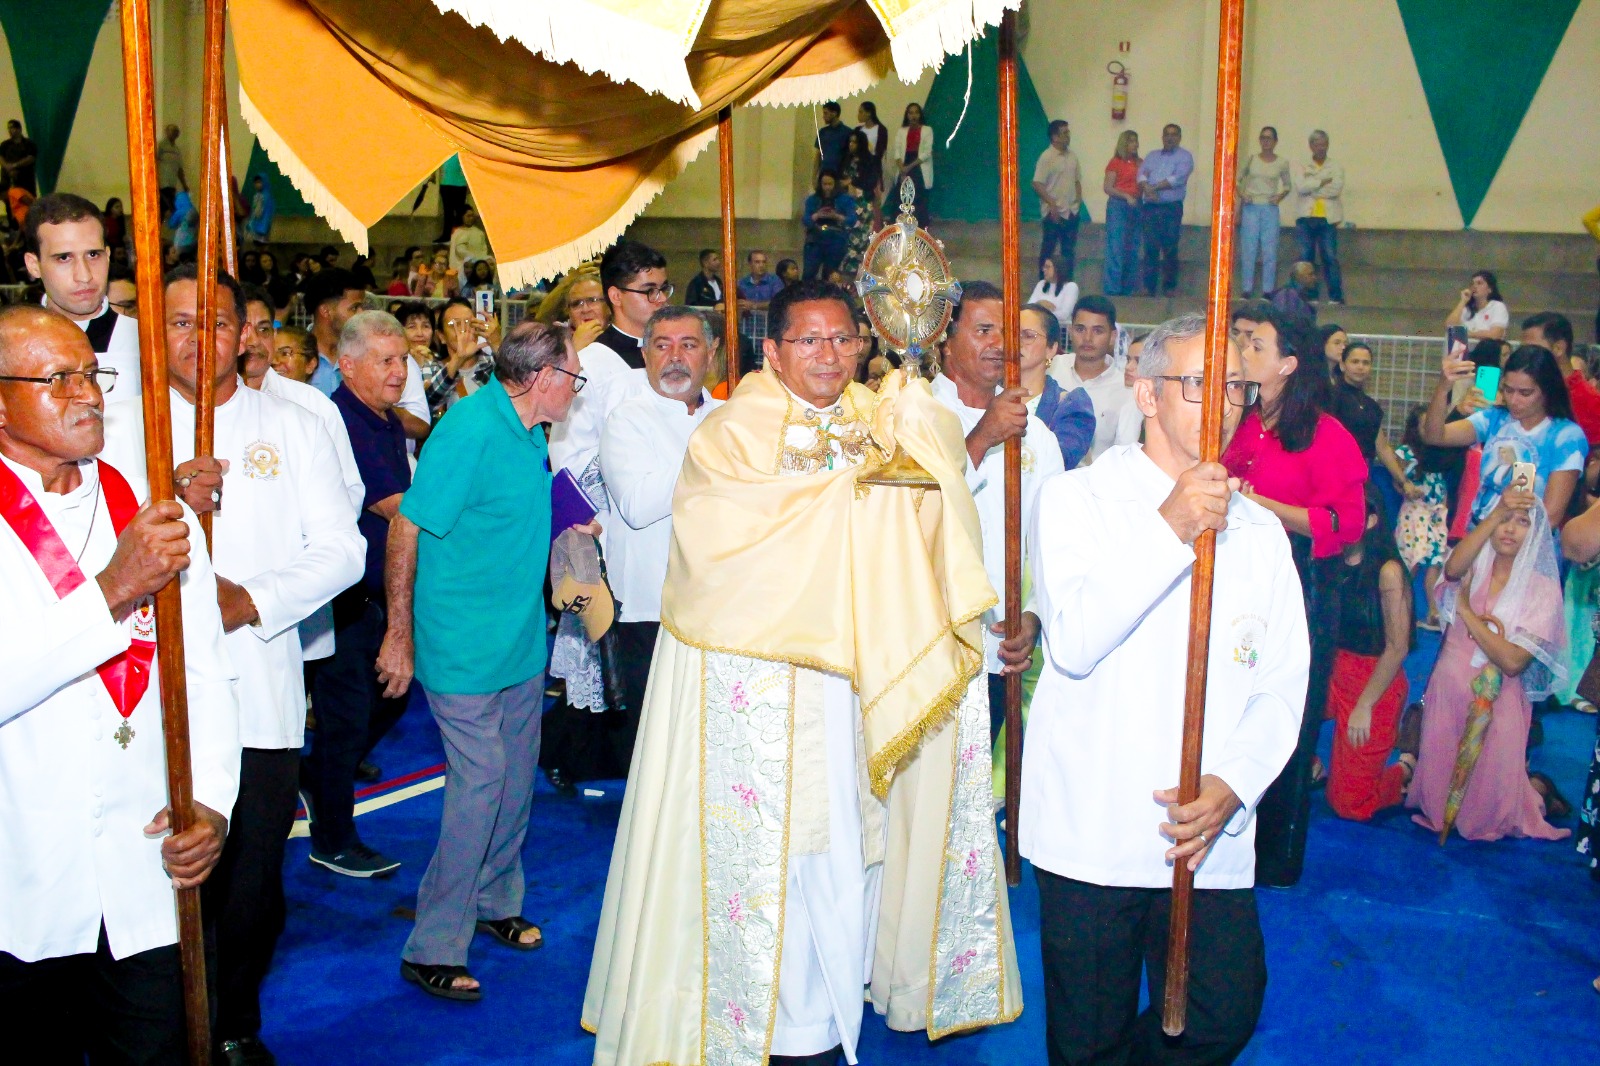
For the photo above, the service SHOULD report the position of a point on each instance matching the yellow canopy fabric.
(358, 101)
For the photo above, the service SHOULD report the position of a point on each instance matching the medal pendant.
(123, 734)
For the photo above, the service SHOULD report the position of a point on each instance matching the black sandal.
(509, 932)
(440, 980)
(1555, 804)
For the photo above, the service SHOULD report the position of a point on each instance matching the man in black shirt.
(832, 137)
(634, 277)
(705, 288)
(17, 157)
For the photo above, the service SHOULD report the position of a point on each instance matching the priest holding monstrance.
(808, 813)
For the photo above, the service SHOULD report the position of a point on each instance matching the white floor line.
(302, 828)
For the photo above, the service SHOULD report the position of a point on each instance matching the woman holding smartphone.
(1530, 427)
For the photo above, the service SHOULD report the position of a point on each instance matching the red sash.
(127, 676)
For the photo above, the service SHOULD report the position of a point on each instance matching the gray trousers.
(491, 745)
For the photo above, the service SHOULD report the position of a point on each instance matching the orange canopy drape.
(358, 101)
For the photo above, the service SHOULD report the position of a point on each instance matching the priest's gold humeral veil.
(785, 569)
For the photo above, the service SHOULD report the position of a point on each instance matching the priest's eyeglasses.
(1239, 393)
(67, 384)
(653, 293)
(846, 345)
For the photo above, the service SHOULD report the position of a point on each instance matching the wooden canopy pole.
(1230, 46)
(1011, 288)
(730, 251)
(213, 206)
(138, 74)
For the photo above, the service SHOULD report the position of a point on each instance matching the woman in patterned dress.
(1422, 529)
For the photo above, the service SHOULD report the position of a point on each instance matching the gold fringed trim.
(804, 90)
(881, 766)
(803, 661)
(336, 214)
(517, 273)
(595, 39)
(592, 1030)
(923, 36)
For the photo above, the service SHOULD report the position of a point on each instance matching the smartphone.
(484, 300)
(1487, 382)
(1455, 337)
(1526, 474)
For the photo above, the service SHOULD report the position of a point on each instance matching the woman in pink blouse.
(1303, 466)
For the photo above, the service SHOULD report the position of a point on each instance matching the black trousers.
(636, 645)
(126, 1012)
(1162, 225)
(352, 716)
(1095, 940)
(1284, 814)
(1062, 233)
(243, 899)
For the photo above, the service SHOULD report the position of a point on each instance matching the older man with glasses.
(465, 562)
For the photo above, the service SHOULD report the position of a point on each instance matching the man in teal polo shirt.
(464, 569)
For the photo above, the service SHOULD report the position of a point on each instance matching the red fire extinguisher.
(1119, 90)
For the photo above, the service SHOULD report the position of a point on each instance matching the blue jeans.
(1062, 233)
(1122, 247)
(1163, 224)
(1258, 241)
(823, 251)
(1318, 237)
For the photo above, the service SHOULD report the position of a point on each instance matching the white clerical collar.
(105, 305)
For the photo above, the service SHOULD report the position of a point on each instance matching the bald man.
(88, 934)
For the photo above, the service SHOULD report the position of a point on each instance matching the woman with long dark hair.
(1532, 423)
(912, 156)
(1481, 309)
(1298, 462)
(862, 170)
(829, 216)
(1367, 689)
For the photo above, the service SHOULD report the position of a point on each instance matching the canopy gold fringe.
(922, 34)
(645, 46)
(336, 214)
(559, 260)
(807, 89)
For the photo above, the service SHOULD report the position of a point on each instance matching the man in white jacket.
(1320, 184)
(285, 543)
(1100, 818)
(88, 929)
(641, 451)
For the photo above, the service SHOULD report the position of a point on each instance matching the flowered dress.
(1589, 813)
(1422, 529)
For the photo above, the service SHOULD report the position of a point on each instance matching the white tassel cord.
(966, 98)
(924, 36)
(336, 214)
(535, 268)
(596, 39)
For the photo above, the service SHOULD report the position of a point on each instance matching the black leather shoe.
(558, 781)
(368, 773)
(246, 1051)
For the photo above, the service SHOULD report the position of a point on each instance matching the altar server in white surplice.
(641, 451)
(1100, 818)
(88, 927)
(284, 541)
(807, 823)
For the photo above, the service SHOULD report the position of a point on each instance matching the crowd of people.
(579, 510)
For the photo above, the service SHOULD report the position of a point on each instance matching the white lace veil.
(1529, 607)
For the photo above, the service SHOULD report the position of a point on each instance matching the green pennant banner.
(51, 45)
(965, 185)
(1481, 61)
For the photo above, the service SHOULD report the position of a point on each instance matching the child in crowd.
(1423, 529)
(1367, 689)
(1504, 640)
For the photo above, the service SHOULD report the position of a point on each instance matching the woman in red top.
(1122, 215)
(1303, 466)
(911, 157)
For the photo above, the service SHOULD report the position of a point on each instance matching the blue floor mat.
(1392, 950)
